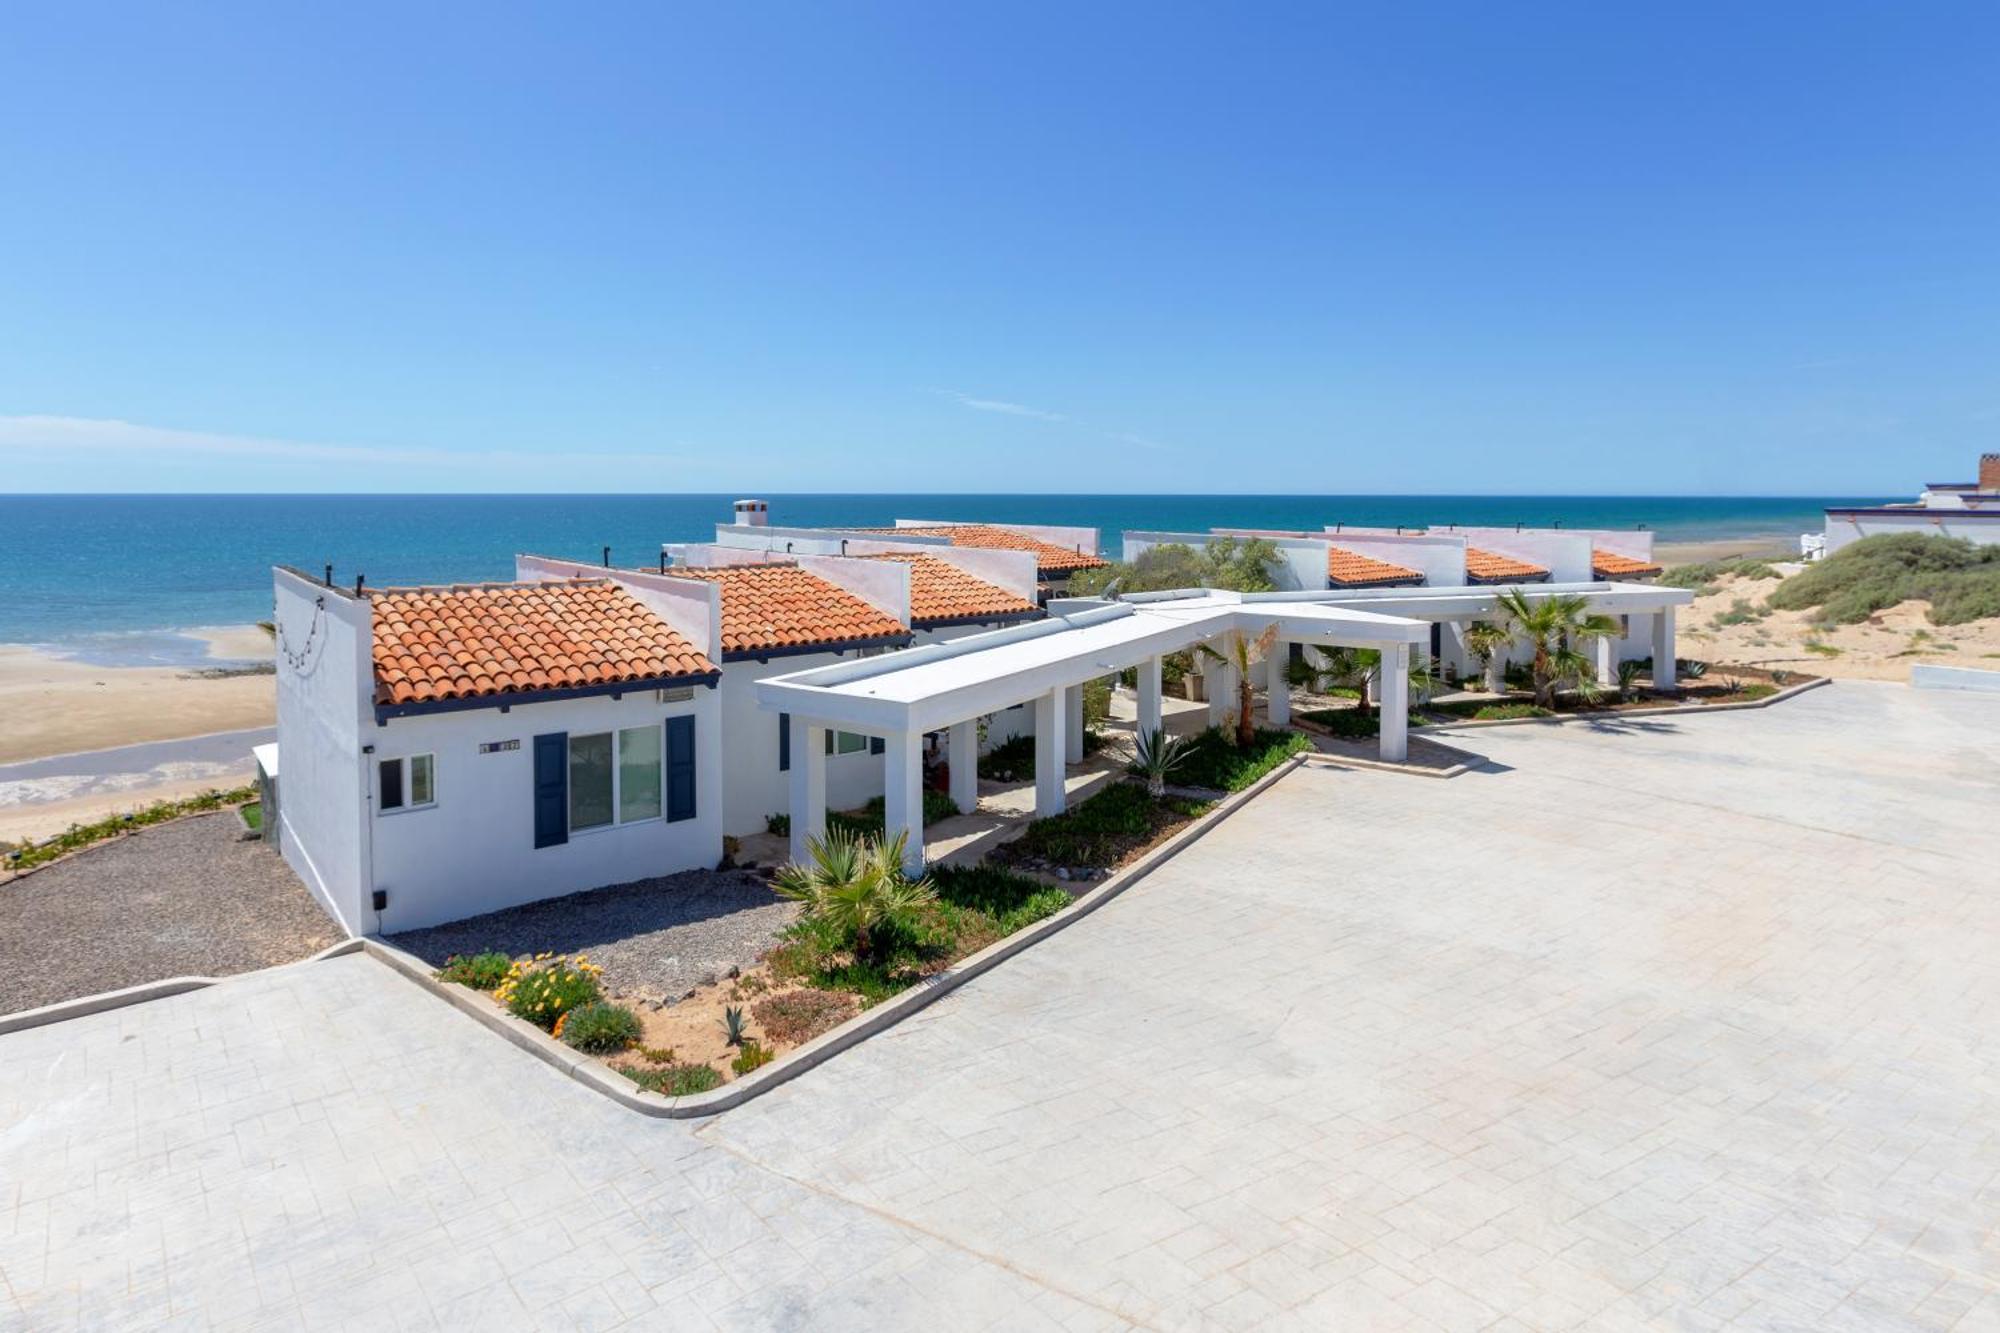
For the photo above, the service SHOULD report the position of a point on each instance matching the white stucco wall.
(1566, 555)
(474, 850)
(322, 703)
(1973, 525)
(883, 584)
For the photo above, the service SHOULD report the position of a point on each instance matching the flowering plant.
(544, 990)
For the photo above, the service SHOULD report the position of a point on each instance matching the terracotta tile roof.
(1610, 565)
(1492, 567)
(781, 607)
(1351, 569)
(465, 642)
(1049, 558)
(941, 592)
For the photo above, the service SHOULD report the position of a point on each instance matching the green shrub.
(1012, 760)
(1960, 580)
(1501, 712)
(599, 1028)
(675, 1080)
(1101, 830)
(1740, 612)
(752, 1056)
(1704, 577)
(797, 1016)
(1353, 724)
(872, 818)
(1214, 760)
(780, 824)
(78, 836)
(1009, 899)
(481, 971)
(543, 992)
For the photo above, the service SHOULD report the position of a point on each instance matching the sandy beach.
(50, 704)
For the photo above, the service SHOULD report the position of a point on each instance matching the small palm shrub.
(481, 971)
(857, 888)
(752, 1056)
(1628, 678)
(543, 991)
(600, 1027)
(676, 1080)
(797, 1016)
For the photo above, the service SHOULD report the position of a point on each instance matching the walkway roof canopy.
(923, 689)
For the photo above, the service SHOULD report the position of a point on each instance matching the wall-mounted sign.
(679, 696)
(496, 747)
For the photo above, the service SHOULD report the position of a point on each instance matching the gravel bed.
(187, 898)
(656, 939)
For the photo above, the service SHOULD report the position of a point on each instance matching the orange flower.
(561, 1019)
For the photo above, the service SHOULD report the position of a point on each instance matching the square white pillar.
(1663, 650)
(962, 759)
(1277, 689)
(1395, 698)
(903, 795)
(1220, 680)
(1496, 671)
(1150, 713)
(1073, 725)
(1605, 650)
(1050, 746)
(808, 810)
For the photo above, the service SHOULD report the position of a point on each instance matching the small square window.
(406, 784)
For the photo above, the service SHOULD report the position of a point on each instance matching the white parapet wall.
(1924, 676)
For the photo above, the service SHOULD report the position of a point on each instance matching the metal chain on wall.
(298, 660)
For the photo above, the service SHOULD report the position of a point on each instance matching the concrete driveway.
(1678, 1024)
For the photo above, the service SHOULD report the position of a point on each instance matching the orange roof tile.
(1491, 566)
(465, 642)
(1351, 569)
(940, 591)
(781, 607)
(1610, 565)
(1049, 558)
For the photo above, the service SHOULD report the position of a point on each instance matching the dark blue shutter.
(552, 789)
(784, 741)
(680, 768)
(876, 745)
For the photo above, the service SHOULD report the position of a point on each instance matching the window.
(614, 777)
(845, 742)
(406, 784)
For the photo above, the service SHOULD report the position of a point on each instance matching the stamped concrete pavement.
(1680, 1023)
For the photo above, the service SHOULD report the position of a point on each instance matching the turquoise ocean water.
(95, 573)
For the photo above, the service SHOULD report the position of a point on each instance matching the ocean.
(101, 575)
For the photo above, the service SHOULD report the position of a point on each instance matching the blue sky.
(1532, 248)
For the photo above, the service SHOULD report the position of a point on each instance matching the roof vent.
(753, 514)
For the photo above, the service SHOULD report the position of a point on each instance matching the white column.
(1663, 650)
(1149, 695)
(962, 756)
(1278, 690)
(903, 795)
(808, 784)
(1050, 714)
(1220, 678)
(1496, 670)
(1606, 651)
(1395, 678)
(1073, 725)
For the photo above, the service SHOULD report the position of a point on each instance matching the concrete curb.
(1671, 710)
(594, 1074)
(103, 1002)
(1374, 765)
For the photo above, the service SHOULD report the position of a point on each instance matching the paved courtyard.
(1676, 1023)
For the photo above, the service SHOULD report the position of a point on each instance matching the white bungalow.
(1965, 509)
(449, 751)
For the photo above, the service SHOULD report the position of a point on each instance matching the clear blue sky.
(1539, 248)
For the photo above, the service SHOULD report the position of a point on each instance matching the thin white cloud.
(74, 437)
(1008, 409)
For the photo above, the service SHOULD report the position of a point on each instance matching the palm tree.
(856, 884)
(1483, 639)
(1157, 755)
(1358, 669)
(1554, 627)
(1239, 651)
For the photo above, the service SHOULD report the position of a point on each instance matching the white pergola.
(949, 686)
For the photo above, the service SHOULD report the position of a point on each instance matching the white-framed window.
(407, 783)
(614, 777)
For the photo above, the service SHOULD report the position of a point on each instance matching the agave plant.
(732, 1024)
(1628, 678)
(1158, 755)
(1553, 627)
(1239, 652)
(856, 885)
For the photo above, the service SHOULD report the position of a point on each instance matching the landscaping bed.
(1096, 836)
(19, 858)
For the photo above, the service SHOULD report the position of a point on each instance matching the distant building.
(1967, 509)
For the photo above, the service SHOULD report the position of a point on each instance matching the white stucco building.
(449, 751)
(1965, 509)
